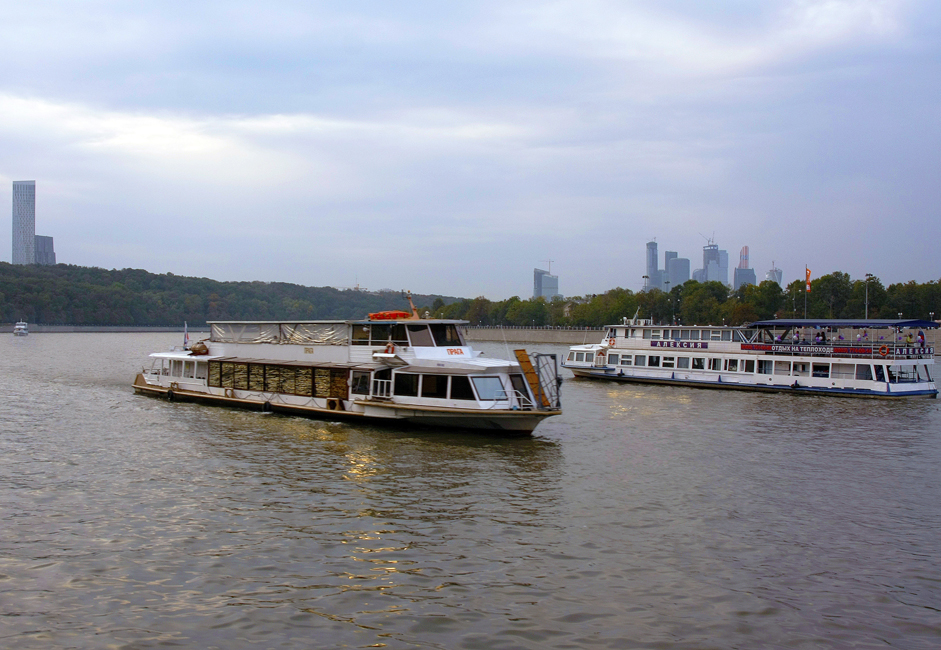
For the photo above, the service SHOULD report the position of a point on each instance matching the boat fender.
(884, 350)
(266, 407)
(795, 385)
(170, 395)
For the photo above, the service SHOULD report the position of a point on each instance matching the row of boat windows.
(879, 372)
(332, 382)
(455, 387)
(673, 334)
(416, 335)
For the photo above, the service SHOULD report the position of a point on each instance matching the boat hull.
(928, 391)
(506, 422)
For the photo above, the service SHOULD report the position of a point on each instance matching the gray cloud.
(452, 148)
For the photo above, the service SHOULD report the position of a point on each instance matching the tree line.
(75, 295)
(712, 303)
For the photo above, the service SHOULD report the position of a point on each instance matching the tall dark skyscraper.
(24, 222)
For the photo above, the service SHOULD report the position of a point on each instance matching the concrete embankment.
(535, 335)
(60, 329)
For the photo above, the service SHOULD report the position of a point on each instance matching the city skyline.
(401, 145)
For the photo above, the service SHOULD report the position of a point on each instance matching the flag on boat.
(807, 272)
(186, 335)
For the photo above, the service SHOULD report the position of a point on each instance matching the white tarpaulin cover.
(297, 334)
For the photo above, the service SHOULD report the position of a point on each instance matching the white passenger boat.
(390, 367)
(21, 329)
(858, 358)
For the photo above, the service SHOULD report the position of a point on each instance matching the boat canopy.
(870, 323)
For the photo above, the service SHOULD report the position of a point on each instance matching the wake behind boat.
(391, 367)
(855, 358)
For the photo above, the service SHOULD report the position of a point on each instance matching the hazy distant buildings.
(775, 275)
(545, 285)
(743, 274)
(45, 251)
(28, 247)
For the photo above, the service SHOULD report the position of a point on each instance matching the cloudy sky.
(452, 147)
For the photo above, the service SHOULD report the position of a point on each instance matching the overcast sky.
(452, 147)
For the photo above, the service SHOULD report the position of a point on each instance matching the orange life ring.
(884, 350)
(611, 342)
(390, 349)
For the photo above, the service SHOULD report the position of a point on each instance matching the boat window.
(682, 362)
(821, 370)
(880, 373)
(684, 335)
(360, 335)
(611, 333)
(382, 334)
(782, 367)
(655, 334)
(435, 386)
(653, 361)
(176, 368)
(613, 359)
(726, 335)
(304, 382)
(625, 359)
(900, 374)
(360, 383)
(519, 385)
(215, 374)
(489, 388)
(420, 336)
(731, 365)
(273, 379)
(864, 372)
(580, 356)
(406, 384)
(461, 388)
(640, 360)
(749, 365)
(716, 335)
(715, 364)
(189, 369)
(699, 363)
(646, 334)
(446, 335)
(227, 369)
(693, 335)
(256, 376)
(240, 376)
(288, 380)
(201, 370)
(669, 362)
(571, 356)
(800, 370)
(765, 366)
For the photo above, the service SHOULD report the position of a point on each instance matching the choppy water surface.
(641, 518)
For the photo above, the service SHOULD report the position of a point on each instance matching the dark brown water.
(644, 517)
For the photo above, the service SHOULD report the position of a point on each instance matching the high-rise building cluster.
(715, 268)
(28, 247)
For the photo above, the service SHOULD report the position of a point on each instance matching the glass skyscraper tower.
(24, 222)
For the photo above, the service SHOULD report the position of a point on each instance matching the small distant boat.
(21, 329)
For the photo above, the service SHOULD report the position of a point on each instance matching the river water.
(643, 517)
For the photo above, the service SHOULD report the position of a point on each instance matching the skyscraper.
(743, 274)
(45, 251)
(545, 284)
(24, 222)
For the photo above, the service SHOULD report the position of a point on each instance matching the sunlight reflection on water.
(642, 517)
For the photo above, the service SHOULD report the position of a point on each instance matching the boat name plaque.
(453, 351)
(822, 349)
(695, 345)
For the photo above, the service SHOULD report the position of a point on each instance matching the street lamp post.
(868, 278)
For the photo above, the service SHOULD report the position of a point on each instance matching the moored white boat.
(855, 358)
(21, 329)
(390, 367)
